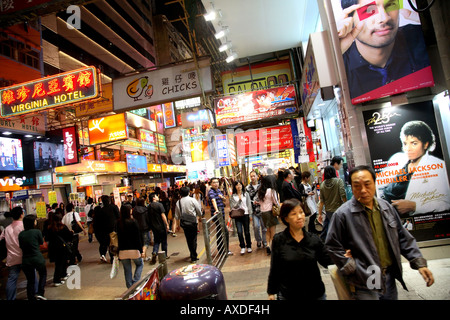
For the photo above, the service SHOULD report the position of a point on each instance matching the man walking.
(366, 240)
(157, 221)
(105, 217)
(189, 206)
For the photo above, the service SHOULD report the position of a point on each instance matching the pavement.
(245, 275)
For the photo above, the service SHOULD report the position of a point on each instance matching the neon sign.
(53, 91)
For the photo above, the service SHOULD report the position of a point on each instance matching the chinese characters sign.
(160, 86)
(169, 115)
(222, 150)
(256, 105)
(264, 141)
(107, 129)
(54, 91)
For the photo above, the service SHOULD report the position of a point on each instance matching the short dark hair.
(212, 179)
(90, 200)
(336, 159)
(306, 175)
(286, 173)
(234, 187)
(69, 207)
(348, 3)
(28, 222)
(329, 172)
(152, 196)
(287, 207)
(421, 131)
(16, 212)
(106, 200)
(362, 168)
(140, 202)
(184, 191)
(54, 206)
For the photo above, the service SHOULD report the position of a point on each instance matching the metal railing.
(215, 235)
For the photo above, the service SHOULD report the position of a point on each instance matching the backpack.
(187, 220)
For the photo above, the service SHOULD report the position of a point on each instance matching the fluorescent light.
(231, 58)
(210, 16)
(7, 133)
(225, 47)
(222, 33)
(28, 136)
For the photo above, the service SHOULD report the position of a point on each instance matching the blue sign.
(222, 150)
(136, 164)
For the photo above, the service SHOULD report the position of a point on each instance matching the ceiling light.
(225, 47)
(222, 33)
(210, 16)
(7, 133)
(232, 57)
(28, 136)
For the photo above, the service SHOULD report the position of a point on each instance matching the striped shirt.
(214, 194)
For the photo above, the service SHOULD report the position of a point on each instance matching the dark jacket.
(29, 242)
(289, 192)
(293, 269)
(155, 221)
(55, 245)
(140, 214)
(105, 219)
(350, 229)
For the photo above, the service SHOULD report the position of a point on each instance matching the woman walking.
(240, 199)
(266, 199)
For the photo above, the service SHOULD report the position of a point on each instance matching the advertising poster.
(222, 150)
(108, 129)
(383, 48)
(136, 163)
(407, 157)
(11, 154)
(264, 141)
(256, 105)
(48, 155)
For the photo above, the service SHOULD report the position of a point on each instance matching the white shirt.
(67, 219)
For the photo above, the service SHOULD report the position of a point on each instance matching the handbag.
(187, 220)
(67, 247)
(91, 228)
(275, 208)
(114, 267)
(237, 213)
(113, 243)
(305, 207)
(75, 226)
(129, 254)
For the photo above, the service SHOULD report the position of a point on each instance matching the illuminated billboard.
(11, 154)
(108, 129)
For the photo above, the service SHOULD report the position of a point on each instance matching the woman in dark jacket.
(57, 233)
(130, 246)
(140, 215)
(294, 273)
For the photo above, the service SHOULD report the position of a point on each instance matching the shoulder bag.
(129, 254)
(75, 226)
(187, 220)
(275, 207)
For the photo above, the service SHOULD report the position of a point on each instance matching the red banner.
(268, 140)
(70, 145)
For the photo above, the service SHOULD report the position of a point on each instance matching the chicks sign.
(54, 91)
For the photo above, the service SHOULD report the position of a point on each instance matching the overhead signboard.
(99, 106)
(162, 85)
(222, 150)
(136, 163)
(34, 124)
(169, 115)
(86, 166)
(108, 129)
(262, 141)
(196, 119)
(50, 92)
(71, 140)
(256, 105)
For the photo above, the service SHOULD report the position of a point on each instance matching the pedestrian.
(272, 178)
(310, 202)
(240, 199)
(159, 225)
(131, 246)
(57, 236)
(32, 259)
(217, 206)
(105, 217)
(279, 184)
(267, 197)
(289, 189)
(62, 207)
(89, 210)
(332, 195)
(70, 216)
(190, 206)
(173, 203)
(258, 225)
(165, 201)
(294, 273)
(140, 213)
(366, 240)
(14, 253)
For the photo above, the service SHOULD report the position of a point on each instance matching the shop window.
(132, 132)
(109, 155)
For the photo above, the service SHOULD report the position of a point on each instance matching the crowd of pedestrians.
(351, 234)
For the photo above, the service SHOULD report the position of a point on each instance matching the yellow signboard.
(41, 210)
(52, 197)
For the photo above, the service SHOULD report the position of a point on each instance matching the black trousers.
(75, 252)
(29, 271)
(104, 240)
(191, 238)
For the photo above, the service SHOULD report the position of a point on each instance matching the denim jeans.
(243, 229)
(326, 223)
(160, 238)
(146, 237)
(128, 271)
(11, 284)
(259, 230)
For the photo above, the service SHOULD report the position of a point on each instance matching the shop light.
(231, 57)
(222, 33)
(7, 133)
(225, 46)
(210, 16)
(28, 136)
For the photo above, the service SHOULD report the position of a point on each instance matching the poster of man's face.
(382, 46)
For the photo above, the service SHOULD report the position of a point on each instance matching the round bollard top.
(193, 282)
